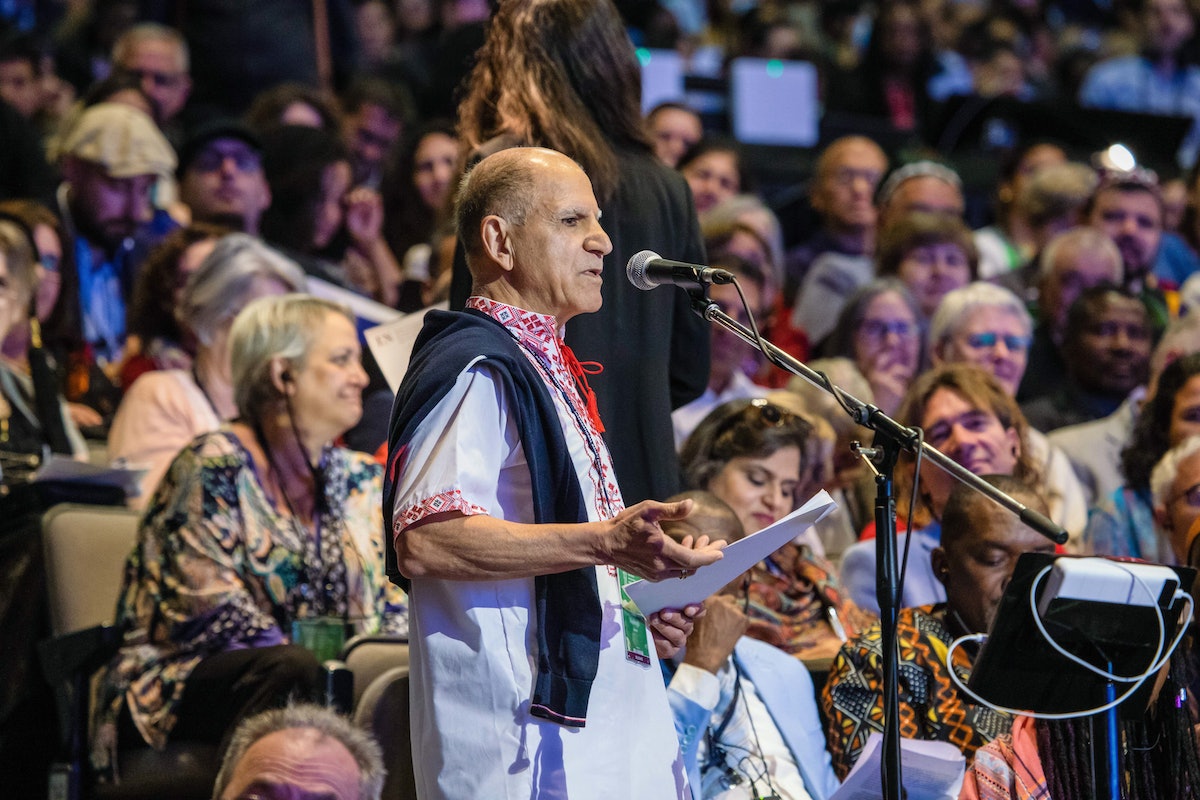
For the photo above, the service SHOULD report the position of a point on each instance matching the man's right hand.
(634, 541)
(715, 634)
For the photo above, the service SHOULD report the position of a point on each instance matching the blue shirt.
(1131, 83)
(102, 299)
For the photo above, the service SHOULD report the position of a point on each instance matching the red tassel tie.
(579, 371)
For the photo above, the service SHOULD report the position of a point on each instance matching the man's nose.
(137, 205)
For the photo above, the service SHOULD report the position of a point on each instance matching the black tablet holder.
(1018, 668)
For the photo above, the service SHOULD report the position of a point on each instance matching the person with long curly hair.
(563, 74)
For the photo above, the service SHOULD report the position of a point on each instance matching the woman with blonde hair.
(966, 415)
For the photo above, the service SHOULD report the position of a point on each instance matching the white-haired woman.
(254, 526)
(988, 326)
(165, 409)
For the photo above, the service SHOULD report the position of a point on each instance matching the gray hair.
(1057, 190)
(724, 217)
(952, 312)
(844, 373)
(150, 32)
(917, 169)
(219, 288)
(1083, 237)
(365, 750)
(1181, 337)
(283, 326)
(1162, 478)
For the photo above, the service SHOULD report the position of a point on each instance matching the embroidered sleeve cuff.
(440, 503)
(698, 685)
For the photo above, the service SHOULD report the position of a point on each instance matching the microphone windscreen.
(635, 270)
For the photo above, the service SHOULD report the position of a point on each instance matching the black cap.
(211, 130)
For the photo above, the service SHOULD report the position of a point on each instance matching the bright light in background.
(643, 56)
(774, 68)
(1119, 157)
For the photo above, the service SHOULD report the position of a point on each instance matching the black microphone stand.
(890, 439)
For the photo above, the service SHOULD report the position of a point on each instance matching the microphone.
(647, 270)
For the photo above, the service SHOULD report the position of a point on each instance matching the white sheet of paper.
(364, 308)
(929, 771)
(392, 342)
(739, 557)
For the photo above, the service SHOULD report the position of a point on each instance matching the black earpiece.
(286, 376)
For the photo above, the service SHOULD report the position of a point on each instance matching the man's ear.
(941, 569)
(497, 241)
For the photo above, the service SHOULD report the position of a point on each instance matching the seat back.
(370, 655)
(86, 547)
(384, 711)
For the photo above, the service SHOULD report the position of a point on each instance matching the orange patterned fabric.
(931, 707)
(791, 596)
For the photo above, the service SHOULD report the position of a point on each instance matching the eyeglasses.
(49, 262)
(988, 339)
(880, 328)
(211, 159)
(1191, 494)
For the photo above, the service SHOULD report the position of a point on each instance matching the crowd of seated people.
(1034, 320)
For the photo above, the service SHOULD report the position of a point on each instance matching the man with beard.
(1128, 207)
(221, 176)
(1107, 352)
(111, 159)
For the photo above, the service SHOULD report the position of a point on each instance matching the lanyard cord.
(593, 448)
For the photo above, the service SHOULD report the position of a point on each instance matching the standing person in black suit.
(563, 74)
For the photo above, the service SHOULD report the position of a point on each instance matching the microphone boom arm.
(869, 416)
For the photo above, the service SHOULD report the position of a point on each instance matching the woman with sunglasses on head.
(969, 417)
(879, 329)
(257, 525)
(750, 453)
(986, 325)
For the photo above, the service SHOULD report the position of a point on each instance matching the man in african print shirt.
(979, 548)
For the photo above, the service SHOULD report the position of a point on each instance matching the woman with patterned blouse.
(254, 526)
(753, 454)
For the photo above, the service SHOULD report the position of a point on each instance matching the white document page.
(739, 557)
(392, 342)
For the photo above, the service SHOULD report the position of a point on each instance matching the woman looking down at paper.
(750, 453)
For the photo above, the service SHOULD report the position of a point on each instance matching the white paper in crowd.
(929, 771)
(64, 468)
(367, 311)
(739, 557)
(392, 343)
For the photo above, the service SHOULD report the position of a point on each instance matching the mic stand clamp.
(890, 439)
